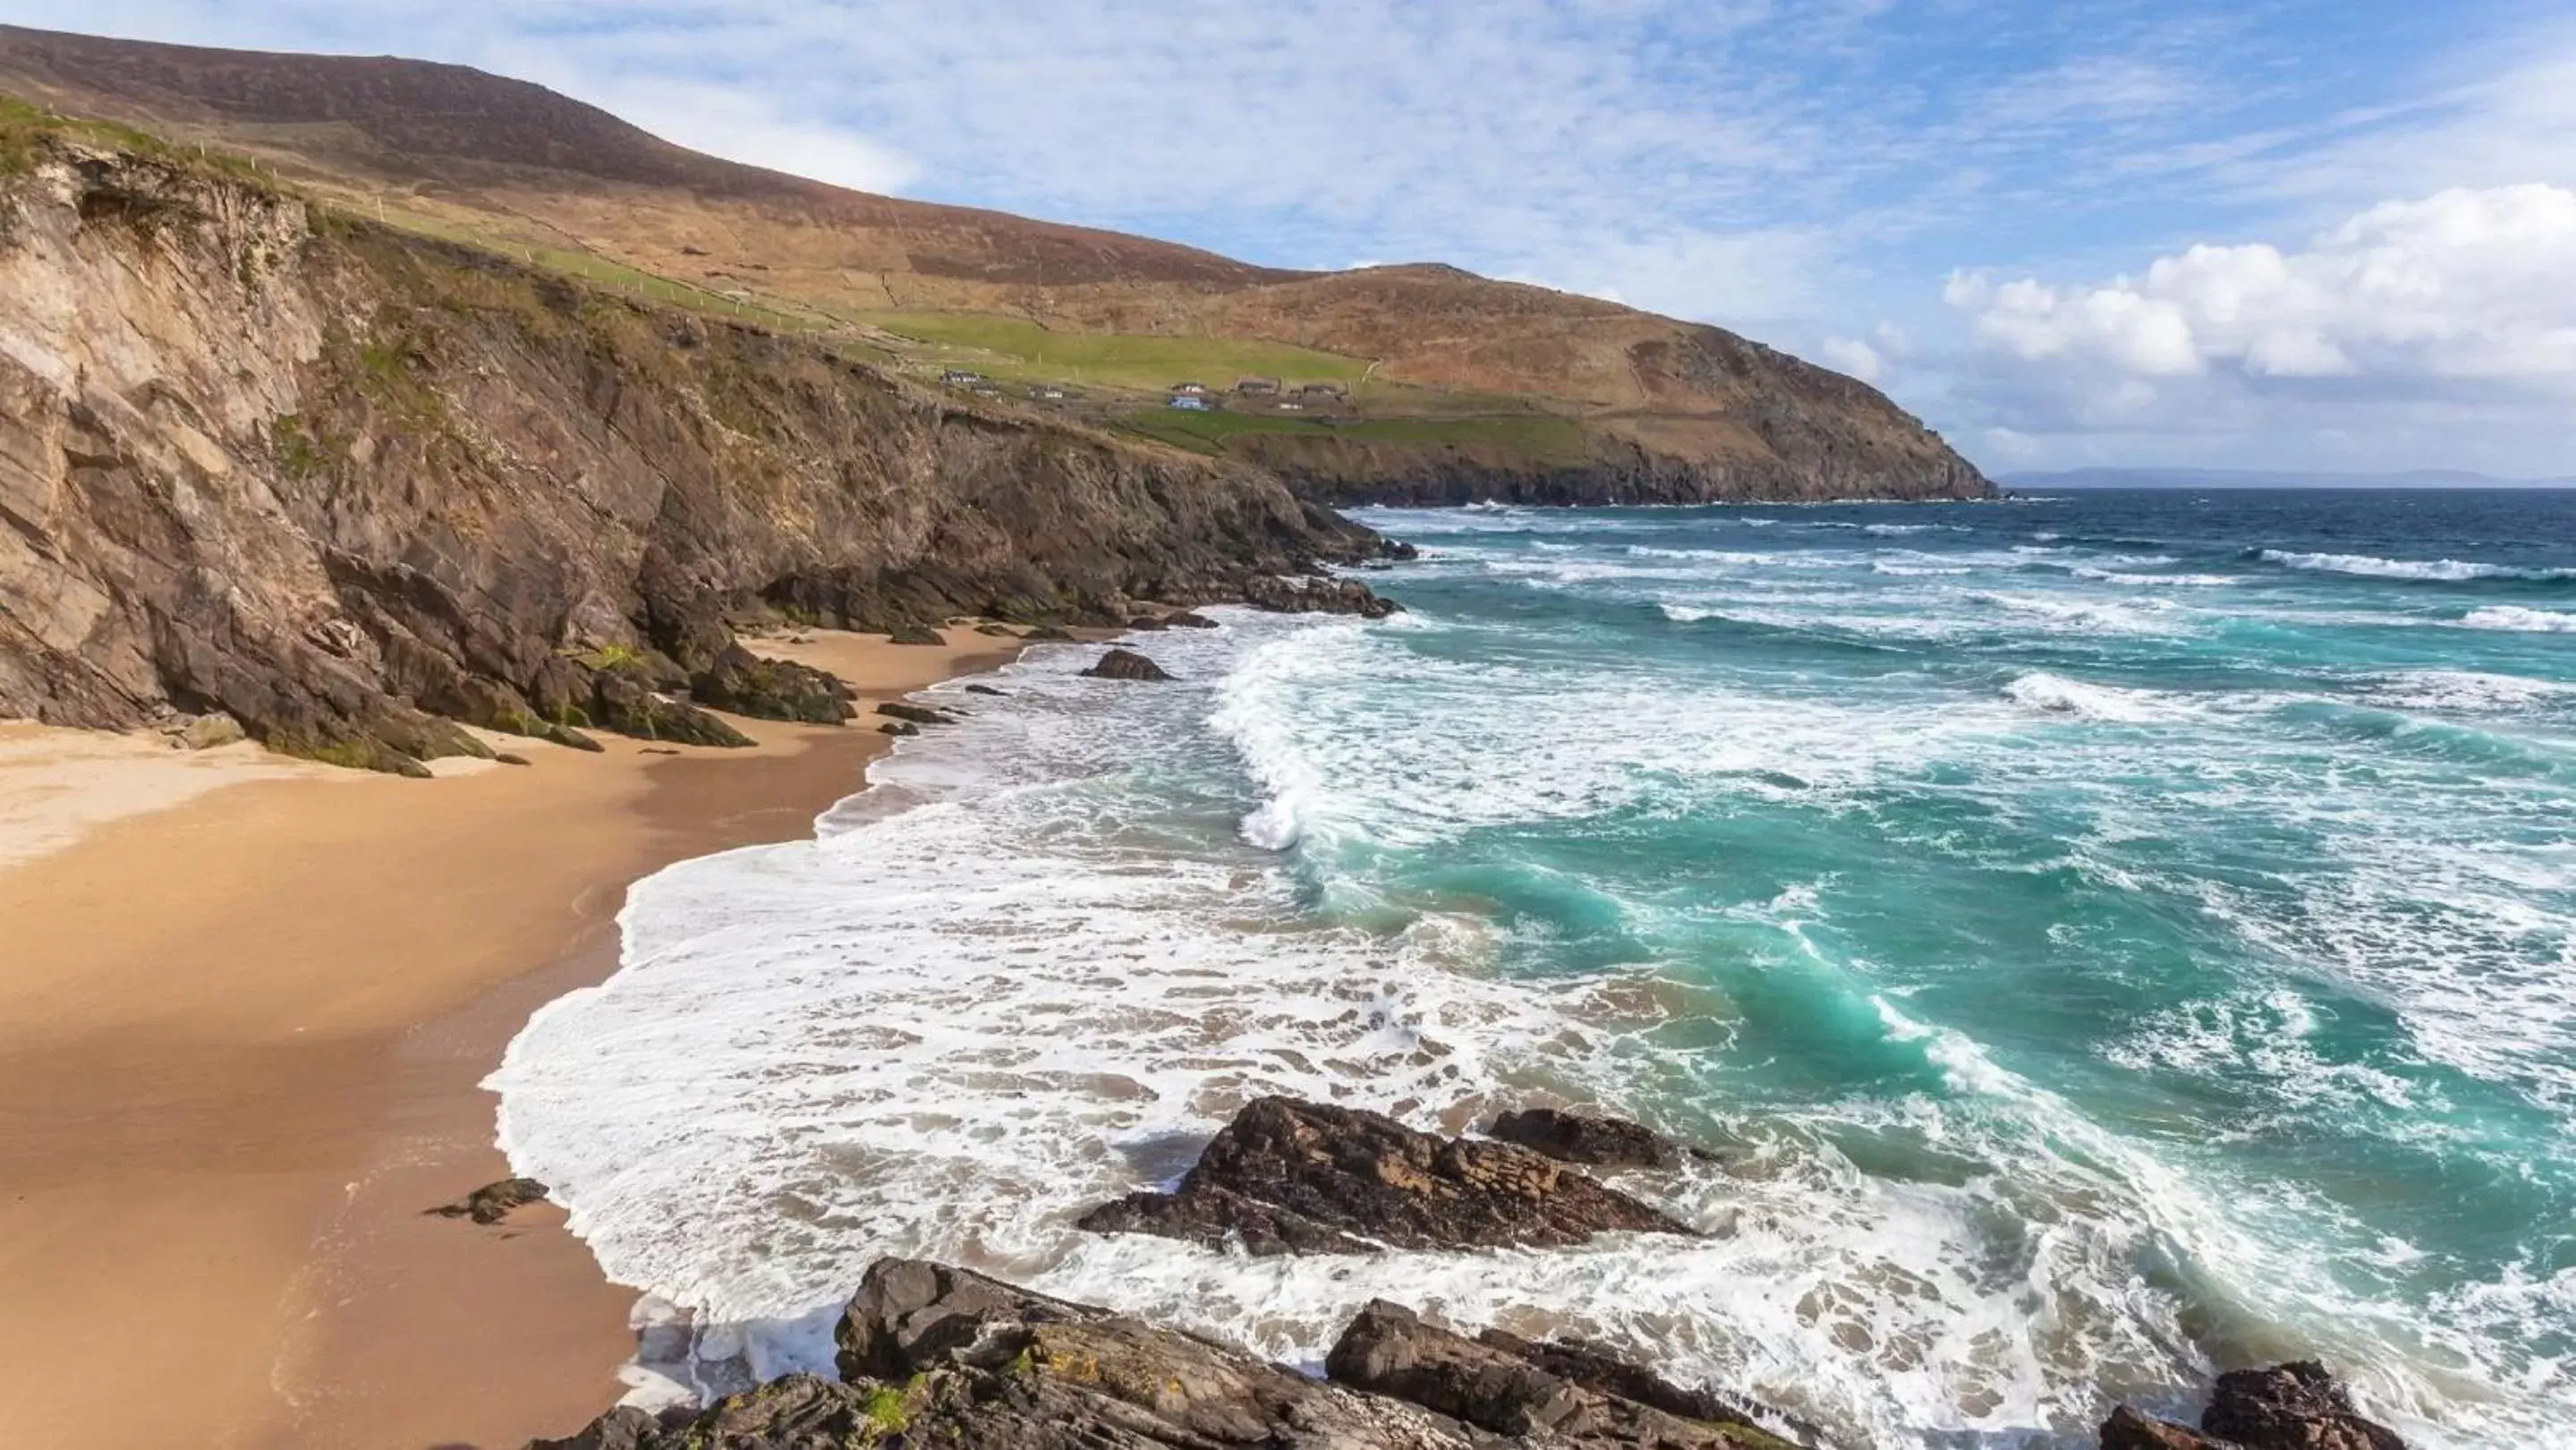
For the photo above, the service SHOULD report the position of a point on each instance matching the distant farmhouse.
(1047, 393)
(961, 378)
(1189, 390)
(1257, 387)
(1192, 402)
(1323, 390)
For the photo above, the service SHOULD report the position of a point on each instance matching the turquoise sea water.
(2110, 937)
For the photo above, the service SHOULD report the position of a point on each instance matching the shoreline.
(243, 1037)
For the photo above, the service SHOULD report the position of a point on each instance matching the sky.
(2295, 234)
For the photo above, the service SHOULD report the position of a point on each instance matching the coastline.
(256, 1022)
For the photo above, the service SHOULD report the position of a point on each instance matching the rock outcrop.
(1515, 1388)
(937, 1356)
(352, 487)
(1590, 1139)
(2295, 1406)
(1295, 1177)
(1306, 594)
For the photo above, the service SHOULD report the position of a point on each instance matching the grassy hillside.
(1022, 350)
(1538, 437)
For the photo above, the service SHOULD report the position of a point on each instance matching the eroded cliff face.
(349, 485)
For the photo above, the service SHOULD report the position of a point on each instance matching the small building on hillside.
(961, 378)
(1323, 390)
(1189, 390)
(1047, 393)
(1256, 387)
(1191, 403)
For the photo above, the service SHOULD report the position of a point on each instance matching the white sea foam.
(2057, 695)
(1041, 967)
(2166, 581)
(2468, 690)
(2517, 617)
(2373, 567)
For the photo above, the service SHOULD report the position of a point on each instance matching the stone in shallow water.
(1126, 664)
(493, 1202)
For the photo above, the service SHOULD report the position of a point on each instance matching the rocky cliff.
(351, 486)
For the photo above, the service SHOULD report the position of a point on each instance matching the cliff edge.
(351, 485)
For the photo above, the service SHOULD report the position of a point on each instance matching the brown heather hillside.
(1501, 390)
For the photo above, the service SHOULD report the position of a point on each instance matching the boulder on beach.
(1049, 634)
(1126, 664)
(915, 714)
(493, 1202)
(1148, 623)
(1297, 1177)
(915, 634)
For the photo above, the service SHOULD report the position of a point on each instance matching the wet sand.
(241, 1032)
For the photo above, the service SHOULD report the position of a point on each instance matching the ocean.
(2107, 938)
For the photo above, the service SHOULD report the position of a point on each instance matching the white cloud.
(2467, 286)
(749, 128)
(1851, 355)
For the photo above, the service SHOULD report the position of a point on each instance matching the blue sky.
(2293, 234)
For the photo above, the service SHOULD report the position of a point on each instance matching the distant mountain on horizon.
(2268, 478)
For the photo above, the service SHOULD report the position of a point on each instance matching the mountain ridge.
(1651, 408)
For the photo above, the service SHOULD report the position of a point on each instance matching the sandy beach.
(245, 1004)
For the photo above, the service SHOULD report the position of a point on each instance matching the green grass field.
(1540, 437)
(1022, 351)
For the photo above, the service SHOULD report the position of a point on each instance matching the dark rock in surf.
(936, 1356)
(1589, 1139)
(898, 728)
(1126, 664)
(915, 714)
(2294, 1406)
(1189, 619)
(982, 690)
(1304, 594)
(1296, 1177)
(1148, 623)
(1490, 1384)
(2129, 1430)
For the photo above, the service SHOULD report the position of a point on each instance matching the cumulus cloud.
(748, 128)
(2463, 287)
(1851, 355)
